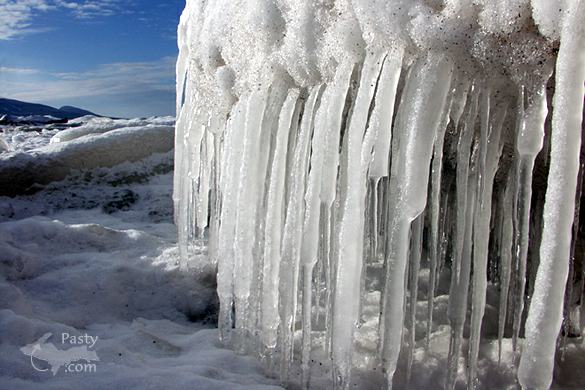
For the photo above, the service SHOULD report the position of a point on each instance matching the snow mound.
(122, 286)
(141, 190)
(99, 125)
(101, 267)
(21, 171)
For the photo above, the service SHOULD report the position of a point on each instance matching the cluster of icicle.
(317, 141)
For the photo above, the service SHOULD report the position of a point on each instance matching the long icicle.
(435, 209)
(529, 142)
(490, 160)
(546, 307)
(347, 294)
(414, 268)
(480, 242)
(246, 203)
(292, 236)
(506, 239)
(424, 99)
(460, 280)
(310, 243)
(569, 296)
(329, 184)
(225, 271)
(274, 225)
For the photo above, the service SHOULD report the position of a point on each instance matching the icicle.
(460, 264)
(459, 100)
(311, 232)
(375, 183)
(383, 113)
(291, 244)
(274, 225)
(458, 294)
(276, 97)
(569, 307)
(380, 125)
(490, 151)
(480, 241)
(545, 312)
(424, 99)
(215, 200)
(328, 184)
(246, 211)
(188, 144)
(229, 183)
(180, 179)
(446, 223)
(434, 208)
(204, 182)
(463, 151)
(368, 255)
(203, 172)
(181, 125)
(334, 120)
(349, 264)
(414, 268)
(290, 179)
(505, 258)
(528, 144)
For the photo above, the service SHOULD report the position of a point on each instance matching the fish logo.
(70, 359)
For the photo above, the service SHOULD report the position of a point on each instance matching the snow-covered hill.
(19, 108)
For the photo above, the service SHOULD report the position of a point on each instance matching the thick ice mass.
(349, 160)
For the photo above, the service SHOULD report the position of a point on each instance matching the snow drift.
(335, 150)
(79, 257)
(98, 125)
(22, 171)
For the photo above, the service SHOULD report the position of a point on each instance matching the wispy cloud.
(16, 16)
(106, 80)
(91, 9)
(18, 71)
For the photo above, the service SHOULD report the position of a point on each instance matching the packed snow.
(99, 142)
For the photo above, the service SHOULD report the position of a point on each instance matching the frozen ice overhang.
(317, 141)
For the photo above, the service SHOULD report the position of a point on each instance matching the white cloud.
(90, 9)
(106, 80)
(18, 71)
(16, 16)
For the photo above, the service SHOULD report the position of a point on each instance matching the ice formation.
(332, 151)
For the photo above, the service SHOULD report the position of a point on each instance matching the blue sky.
(113, 57)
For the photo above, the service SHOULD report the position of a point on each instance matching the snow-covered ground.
(95, 256)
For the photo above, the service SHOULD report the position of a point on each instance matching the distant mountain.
(76, 111)
(18, 108)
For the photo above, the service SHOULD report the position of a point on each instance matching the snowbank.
(98, 125)
(19, 172)
(121, 285)
(103, 267)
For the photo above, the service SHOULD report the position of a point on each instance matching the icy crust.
(21, 171)
(318, 142)
(229, 47)
(100, 125)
